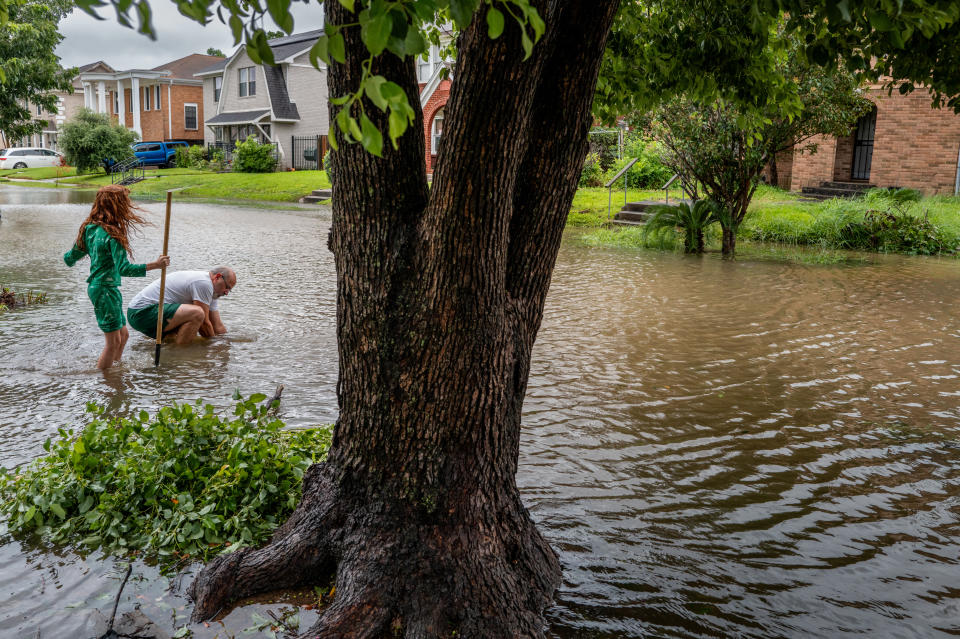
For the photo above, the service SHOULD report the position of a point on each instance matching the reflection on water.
(714, 449)
(25, 195)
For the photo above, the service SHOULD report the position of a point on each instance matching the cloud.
(88, 40)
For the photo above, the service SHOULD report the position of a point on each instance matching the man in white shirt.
(190, 304)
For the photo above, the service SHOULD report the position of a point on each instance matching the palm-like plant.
(693, 221)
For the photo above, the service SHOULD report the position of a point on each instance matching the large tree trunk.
(440, 296)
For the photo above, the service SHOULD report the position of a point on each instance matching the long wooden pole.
(163, 281)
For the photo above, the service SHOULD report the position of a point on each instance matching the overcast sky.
(88, 40)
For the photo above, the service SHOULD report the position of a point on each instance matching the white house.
(273, 103)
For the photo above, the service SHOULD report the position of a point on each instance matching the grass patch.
(874, 222)
(184, 482)
(633, 237)
(40, 172)
(590, 204)
(288, 186)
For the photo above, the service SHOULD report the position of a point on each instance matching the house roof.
(283, 108)
(184, 68)
(289, 45)
(93, 65)
(215, 68)
(238, 117)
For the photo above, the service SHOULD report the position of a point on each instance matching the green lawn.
(287, 186)
(40, 173)
(810, 232)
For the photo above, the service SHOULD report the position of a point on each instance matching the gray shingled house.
(274, 103)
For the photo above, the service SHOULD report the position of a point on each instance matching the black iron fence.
(307, 151)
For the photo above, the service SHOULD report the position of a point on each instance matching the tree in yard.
(722, 148)
(440, 293)
(90, 139)
(29, 70)
(216, 52)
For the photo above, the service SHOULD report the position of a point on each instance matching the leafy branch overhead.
(404, 28)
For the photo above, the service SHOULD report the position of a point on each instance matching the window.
(130, 101)
(146, 98)
(248, 81)
(156, 100)
(39, 110)
(428, 64)
(116, 102)
(436, 131)
(190, 117)
(217, 85)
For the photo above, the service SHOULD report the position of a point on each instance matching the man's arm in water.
(217, 324)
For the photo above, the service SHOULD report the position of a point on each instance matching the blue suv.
(162, 154)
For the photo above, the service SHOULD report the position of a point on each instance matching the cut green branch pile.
(182, 483)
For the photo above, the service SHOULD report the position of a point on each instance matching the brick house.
(163, 103)
(67, 106)
(904, 142)
(287, 104)
(434, 94)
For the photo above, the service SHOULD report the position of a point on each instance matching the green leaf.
(256, 398)
(414, 43)
(58, 511)
(371, 138)
(494, 23)
(527, 45)
(375, 33)
(280, 12)
(397, 126)
(462, 11)
(28, 516)
(236, 394)
(337, 48)
(347, 4)
(319, 51)
(372, 88)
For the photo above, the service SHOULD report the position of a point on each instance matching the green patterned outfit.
(108, 261)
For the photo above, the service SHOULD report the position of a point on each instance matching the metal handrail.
(609, 185)
(666, 188)
(121, 171)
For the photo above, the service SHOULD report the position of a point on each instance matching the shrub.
(217, 159)
(252, 157)
(182, 158)
(91, 139)
(605, 143)
(892, 232)
(328, 164)
(592, 174)
(197, 155)
(692, 221)
(182, 482)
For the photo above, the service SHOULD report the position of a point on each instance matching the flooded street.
(749, 449)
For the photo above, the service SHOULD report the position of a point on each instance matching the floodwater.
(748, 449)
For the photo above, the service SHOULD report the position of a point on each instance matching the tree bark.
(440, 297)
(729, 246)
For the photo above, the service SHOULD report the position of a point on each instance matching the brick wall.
(916, 146)
(155, 124)
(843, 159)
(811, 168)
(436, 102)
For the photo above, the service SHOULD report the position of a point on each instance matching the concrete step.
(852, 186)
(318, 195)
(626, 223)
(828, 192)
(633, 217)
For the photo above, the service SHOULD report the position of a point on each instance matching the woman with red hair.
(104, 237)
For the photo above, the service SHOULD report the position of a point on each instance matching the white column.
(121, 104)
(169, 113)
(135, 94)
(102, 97)
(87, 102)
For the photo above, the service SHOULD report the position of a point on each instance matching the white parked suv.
(28, 158)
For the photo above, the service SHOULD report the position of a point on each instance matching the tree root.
(487, 574)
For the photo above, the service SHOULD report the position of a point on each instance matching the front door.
(863, 146)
